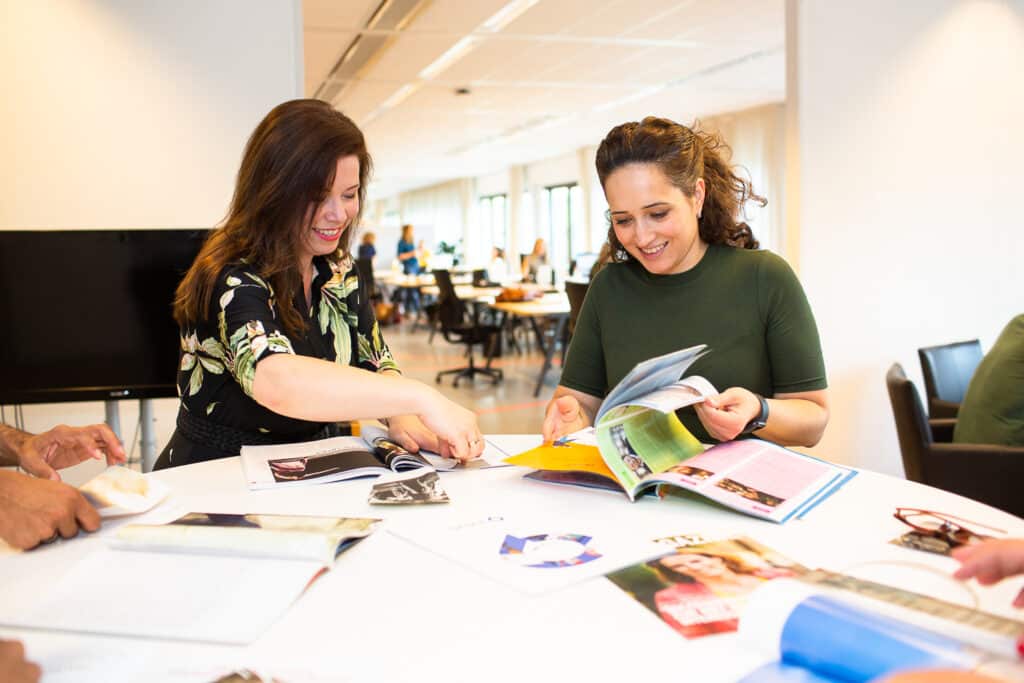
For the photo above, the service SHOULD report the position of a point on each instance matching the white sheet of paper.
(162, 595)
(532, 556)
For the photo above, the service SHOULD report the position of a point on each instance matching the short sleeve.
(584, 362)
(791, 334)
(247, 324)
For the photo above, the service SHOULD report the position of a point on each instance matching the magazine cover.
(700, 588)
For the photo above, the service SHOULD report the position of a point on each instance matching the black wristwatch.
(760, 420)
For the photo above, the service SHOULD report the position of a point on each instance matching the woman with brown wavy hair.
(276, 343)
(686, 270)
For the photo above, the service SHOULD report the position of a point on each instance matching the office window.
(563, 209)
(494, 221)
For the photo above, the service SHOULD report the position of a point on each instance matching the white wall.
(125, 114)
(911, 154)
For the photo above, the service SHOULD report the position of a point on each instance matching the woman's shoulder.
(767, 264)
(240, 273)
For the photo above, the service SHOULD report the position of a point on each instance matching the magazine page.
(650, 375)
(313, 462)
(534, 556)
(645, 443)
(294, 537)
(376, 434)
(677, 395)
(758, 478)
(701, 586)
(835, 639)
(577, 452)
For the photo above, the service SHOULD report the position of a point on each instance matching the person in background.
(410, 260)
(277, 346)
(686, 270)
(38, 508)
(366, 248)
(497, 269)
(424, 256)
(407, 252)
(534, 260)
(992, 411)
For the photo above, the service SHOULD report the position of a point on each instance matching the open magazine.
(639, 444)
(825, 637)
(288, 537)
(205, 577)
(339, 458)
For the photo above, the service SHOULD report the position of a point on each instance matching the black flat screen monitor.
(86, 314)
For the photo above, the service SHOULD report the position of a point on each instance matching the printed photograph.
(418, 489)
(690, 471)
(750, 493)
(626, 451)
(548, 551)
(699, 590)
(347, 526)
(295, 469)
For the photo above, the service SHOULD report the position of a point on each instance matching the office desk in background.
(551, 306)
(392, 611)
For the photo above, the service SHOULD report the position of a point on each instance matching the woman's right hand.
(456, 428)
(564, 416)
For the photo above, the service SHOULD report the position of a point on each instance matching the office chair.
(947, 371)
(577, 292)
(367, 287)
(459, 327)
(987, 473)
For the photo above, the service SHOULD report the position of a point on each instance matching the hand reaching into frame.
(43, 454)
(991, 561)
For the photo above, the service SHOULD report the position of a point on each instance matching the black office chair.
(947, 371)
(983, 472)
(577, 292)
(367, 287)
(459, 327)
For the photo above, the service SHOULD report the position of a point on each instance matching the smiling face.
(696, 565)
(654, 220)
(325, 222)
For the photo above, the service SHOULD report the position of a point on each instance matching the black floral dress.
(219, 356)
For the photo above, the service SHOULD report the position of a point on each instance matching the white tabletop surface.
(391, 611)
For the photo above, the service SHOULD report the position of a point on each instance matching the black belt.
(230, 439)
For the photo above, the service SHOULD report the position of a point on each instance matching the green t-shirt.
(747, 306)
(992, 411)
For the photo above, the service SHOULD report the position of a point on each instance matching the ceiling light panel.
(321, 52)
(456, 16)
(553, 16)
(409, 54)
(334, 15)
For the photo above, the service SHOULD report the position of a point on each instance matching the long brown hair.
(287, 167)
(684, 155)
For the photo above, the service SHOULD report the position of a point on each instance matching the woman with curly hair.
(277, 345)
(686, 270)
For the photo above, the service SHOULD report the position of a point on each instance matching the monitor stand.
(147, 438)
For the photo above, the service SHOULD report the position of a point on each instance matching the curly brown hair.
(288, 165)
(684, 154)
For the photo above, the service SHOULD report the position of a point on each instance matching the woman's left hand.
(409, 432)
(725, 415)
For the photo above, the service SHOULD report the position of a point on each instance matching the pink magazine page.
(764, 478)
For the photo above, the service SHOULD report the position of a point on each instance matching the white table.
(390, 611)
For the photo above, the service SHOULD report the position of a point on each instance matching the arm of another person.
(42, 454)
(33, 510)
(798, 410)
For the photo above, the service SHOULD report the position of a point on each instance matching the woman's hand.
(991, 561)
(564, 415)
(724, 416)
(409, 432)
(457, 432)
